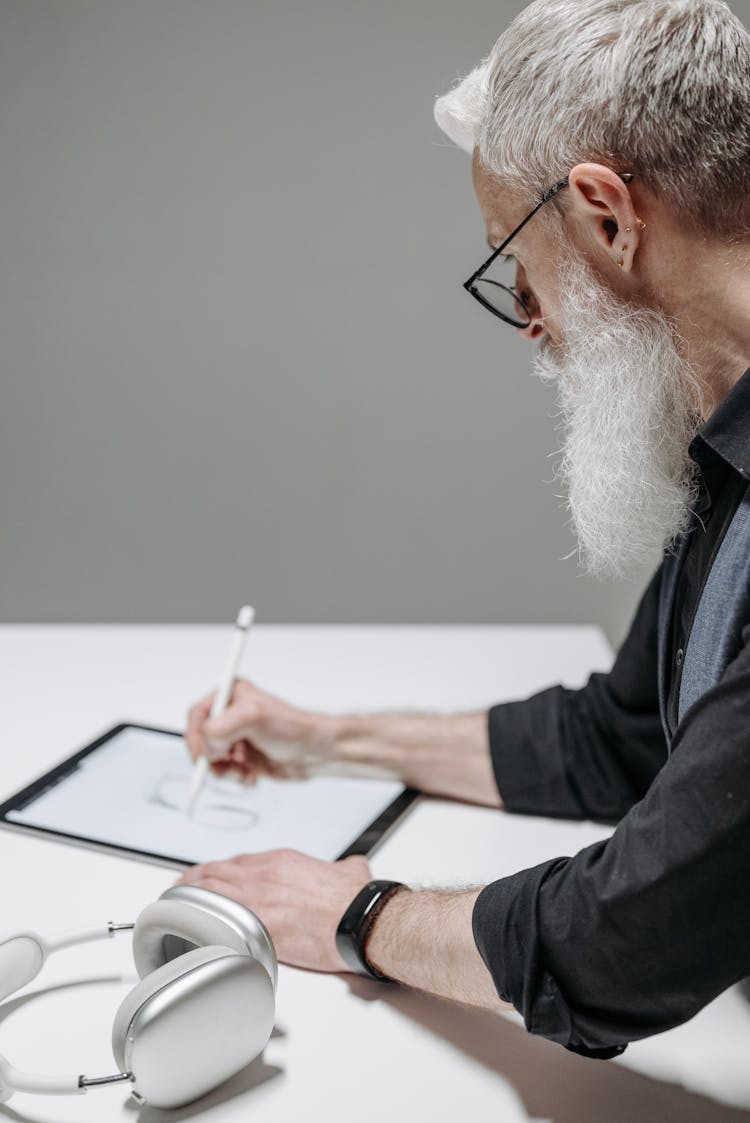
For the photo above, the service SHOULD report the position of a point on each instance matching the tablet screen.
(130, 792)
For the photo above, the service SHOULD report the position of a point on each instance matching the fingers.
(242, 868)
(216, 885)
(299, 898)
(213, 737)
(229, 873)
(235, 723)
(255, 764)
(226, 771)
(242, 762)
(284, 865)
(197, 716)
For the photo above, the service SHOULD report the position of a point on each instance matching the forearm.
(424, 939)
(441, 754)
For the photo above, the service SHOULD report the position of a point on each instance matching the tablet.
(127, 793)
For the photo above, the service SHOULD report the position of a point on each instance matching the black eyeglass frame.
(470, 285)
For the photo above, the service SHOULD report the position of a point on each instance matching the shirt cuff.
(526, 748)
(506, 934)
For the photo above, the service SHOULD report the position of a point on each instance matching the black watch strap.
(354, 926)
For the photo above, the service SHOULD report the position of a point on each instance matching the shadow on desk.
(251, 1076)
(553, 1083)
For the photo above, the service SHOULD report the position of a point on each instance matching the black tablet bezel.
(365, 842)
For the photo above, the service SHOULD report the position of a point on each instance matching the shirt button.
(679, 657)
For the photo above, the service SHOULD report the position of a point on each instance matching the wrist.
(374, 943)
(356, 745)
(357, 921)
(424, 939)
(320, 733)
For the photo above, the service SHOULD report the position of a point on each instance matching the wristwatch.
(354, 926)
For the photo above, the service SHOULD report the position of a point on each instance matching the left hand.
(299, 899)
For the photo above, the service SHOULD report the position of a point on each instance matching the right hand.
(256, 735)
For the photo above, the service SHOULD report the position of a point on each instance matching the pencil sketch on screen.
(221, 807)
(130, 792)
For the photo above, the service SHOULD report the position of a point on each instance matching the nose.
(535, 329)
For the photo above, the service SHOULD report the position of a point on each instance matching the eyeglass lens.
(496, 289)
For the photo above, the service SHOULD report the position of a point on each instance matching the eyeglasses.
(494, 292)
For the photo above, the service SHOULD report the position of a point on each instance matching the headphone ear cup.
(21, 959)
(162, 934)
(192, 1023)
(185, 917)
(150, 986)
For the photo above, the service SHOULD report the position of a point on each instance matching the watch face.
(356, 922)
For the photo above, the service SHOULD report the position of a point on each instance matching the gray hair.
(656, 87)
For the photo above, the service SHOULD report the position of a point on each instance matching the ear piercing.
(624, 250)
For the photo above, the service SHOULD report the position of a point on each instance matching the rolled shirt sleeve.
(589, 753)
(637, 933)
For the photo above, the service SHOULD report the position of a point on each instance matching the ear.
(602, 204)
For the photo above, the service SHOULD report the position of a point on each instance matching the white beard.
(629, 409)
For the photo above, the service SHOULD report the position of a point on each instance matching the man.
(611, 160)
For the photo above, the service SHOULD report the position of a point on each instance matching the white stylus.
(245, 618)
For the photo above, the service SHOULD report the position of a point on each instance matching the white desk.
(343, 1048)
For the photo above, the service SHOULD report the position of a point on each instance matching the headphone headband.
(22, 957)
(203, 959)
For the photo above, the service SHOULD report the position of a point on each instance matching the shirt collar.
(727, 430)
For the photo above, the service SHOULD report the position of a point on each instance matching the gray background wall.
(237, 362)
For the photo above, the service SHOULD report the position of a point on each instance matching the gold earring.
(621, 263)
(642, 224)
(628, 229)
(625, 248)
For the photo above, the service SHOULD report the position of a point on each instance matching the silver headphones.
(203, 1009)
